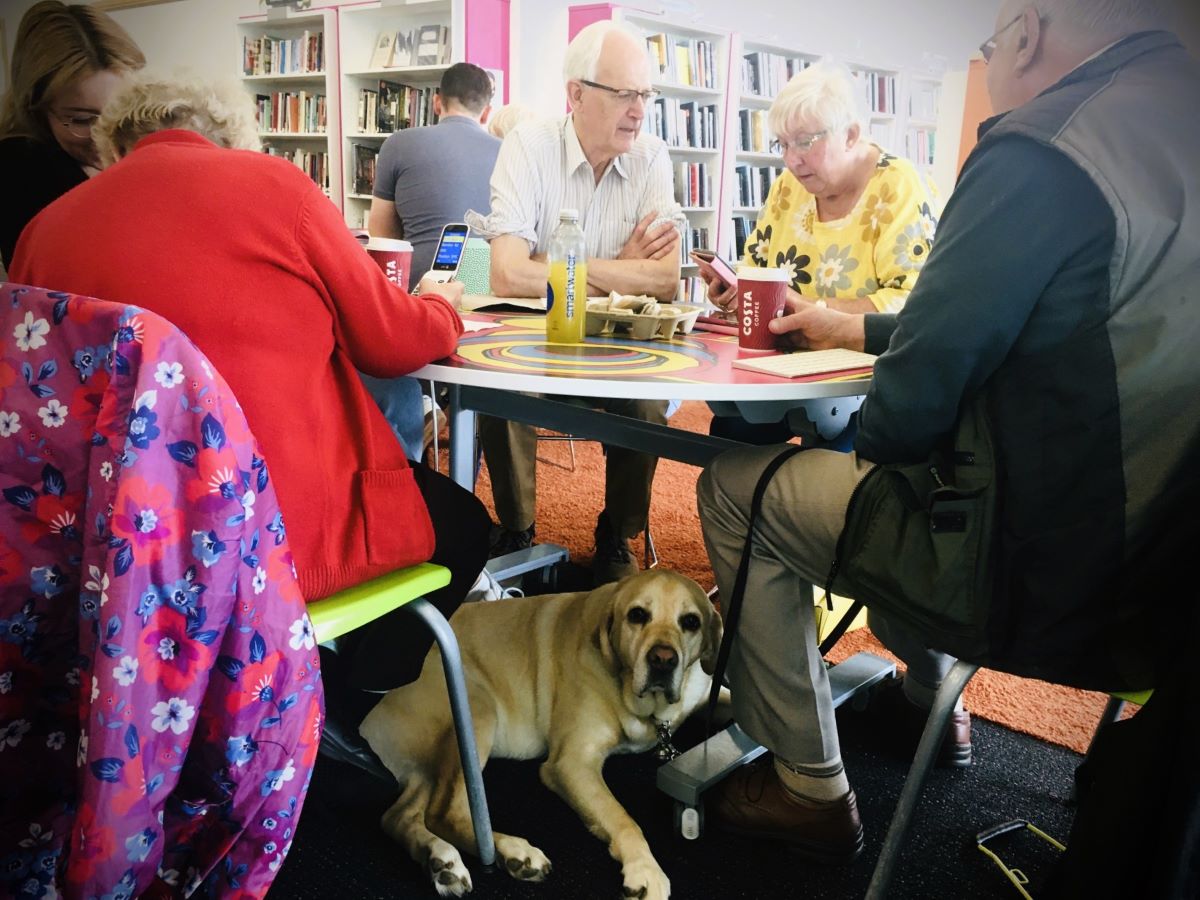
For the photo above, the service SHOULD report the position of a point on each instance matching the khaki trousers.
(510, 449)
(777, 679)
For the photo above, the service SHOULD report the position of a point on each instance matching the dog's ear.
(604, 641)
(712, 641)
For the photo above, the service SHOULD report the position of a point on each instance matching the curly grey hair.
(146, 104)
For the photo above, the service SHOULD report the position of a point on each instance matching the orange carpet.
(570, 498)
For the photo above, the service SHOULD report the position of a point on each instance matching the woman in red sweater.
(247, 257)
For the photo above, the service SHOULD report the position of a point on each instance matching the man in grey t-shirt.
(427, 177)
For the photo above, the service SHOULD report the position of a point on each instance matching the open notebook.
(813, 364)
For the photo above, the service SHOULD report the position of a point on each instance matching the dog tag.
(666, 750)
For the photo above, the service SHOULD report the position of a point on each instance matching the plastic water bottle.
(566, 291)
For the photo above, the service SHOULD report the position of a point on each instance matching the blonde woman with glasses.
(851, 224)
(67, 61)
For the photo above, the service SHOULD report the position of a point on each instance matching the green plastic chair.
(354, 607)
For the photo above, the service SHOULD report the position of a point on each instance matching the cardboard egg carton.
(644, 318)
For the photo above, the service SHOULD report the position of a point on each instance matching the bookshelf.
(762, 71)
(403, 76)
(691, 72)
(921, 112)
(392, 57)
(881, 94)
(285, 67)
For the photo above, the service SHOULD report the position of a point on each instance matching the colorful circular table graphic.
(518, 347)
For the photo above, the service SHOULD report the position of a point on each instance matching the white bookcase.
(286, 66)
(761, 71)
(691, 67)
(922, 104)
(882, 96)
(349, 32)
(362, 71)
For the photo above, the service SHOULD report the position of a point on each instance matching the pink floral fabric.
(160, 694)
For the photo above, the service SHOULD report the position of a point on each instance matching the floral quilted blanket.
(160, 694)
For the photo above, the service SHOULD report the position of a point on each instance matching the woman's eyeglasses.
(78, 125)
(625, 96)
(803, 145)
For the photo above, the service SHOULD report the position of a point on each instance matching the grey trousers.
(779, 687)
(510, 449)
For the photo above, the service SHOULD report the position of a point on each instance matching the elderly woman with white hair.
(850, 223)
(247, 256)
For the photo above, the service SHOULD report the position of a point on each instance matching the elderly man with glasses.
(1017, 494)
(596, 160)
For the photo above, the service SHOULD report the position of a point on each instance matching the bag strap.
(732, 611)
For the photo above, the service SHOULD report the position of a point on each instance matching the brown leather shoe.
(899, 722)
(753, 801)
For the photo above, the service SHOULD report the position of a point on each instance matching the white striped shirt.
(542, 169)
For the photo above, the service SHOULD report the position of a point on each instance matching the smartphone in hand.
(725, 271)
(448, 255)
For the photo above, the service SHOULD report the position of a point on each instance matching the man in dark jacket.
(1055, 324)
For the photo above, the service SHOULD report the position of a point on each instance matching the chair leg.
(1112, 713)
(931, 739)
(464, 727)
(650, 553)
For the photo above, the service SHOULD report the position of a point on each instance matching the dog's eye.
(690, 622)
(637, 616)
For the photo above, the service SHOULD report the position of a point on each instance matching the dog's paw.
(446, 869)
(522, 860)
(645, 880)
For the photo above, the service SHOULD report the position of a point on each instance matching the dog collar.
(665, 749)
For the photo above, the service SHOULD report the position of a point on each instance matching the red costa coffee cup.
(761, 297)
(394, 257)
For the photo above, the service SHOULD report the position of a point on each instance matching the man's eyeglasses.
(78, 125)
(780, 148)
(626, 96)
(988, 47)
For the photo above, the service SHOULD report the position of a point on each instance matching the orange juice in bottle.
(566, 290)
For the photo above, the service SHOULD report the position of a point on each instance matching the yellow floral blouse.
(876, 251)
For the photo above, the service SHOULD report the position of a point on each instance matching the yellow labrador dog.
(573, 677)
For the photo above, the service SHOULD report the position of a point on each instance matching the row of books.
(683, 123)
(881, 134)
(743, 227)
(693, 239)
(753, 183)
(291, 112)
(693, 184)
(920, 145)
(314, 164)
(764, 74)
(681, 60)
(754, 132)
(692, 290)
(425, 45)
(878, 90)
(364, 168)
(394, 106)
(284, 56)
(923, 101)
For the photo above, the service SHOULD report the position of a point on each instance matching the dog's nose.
(662, 658)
